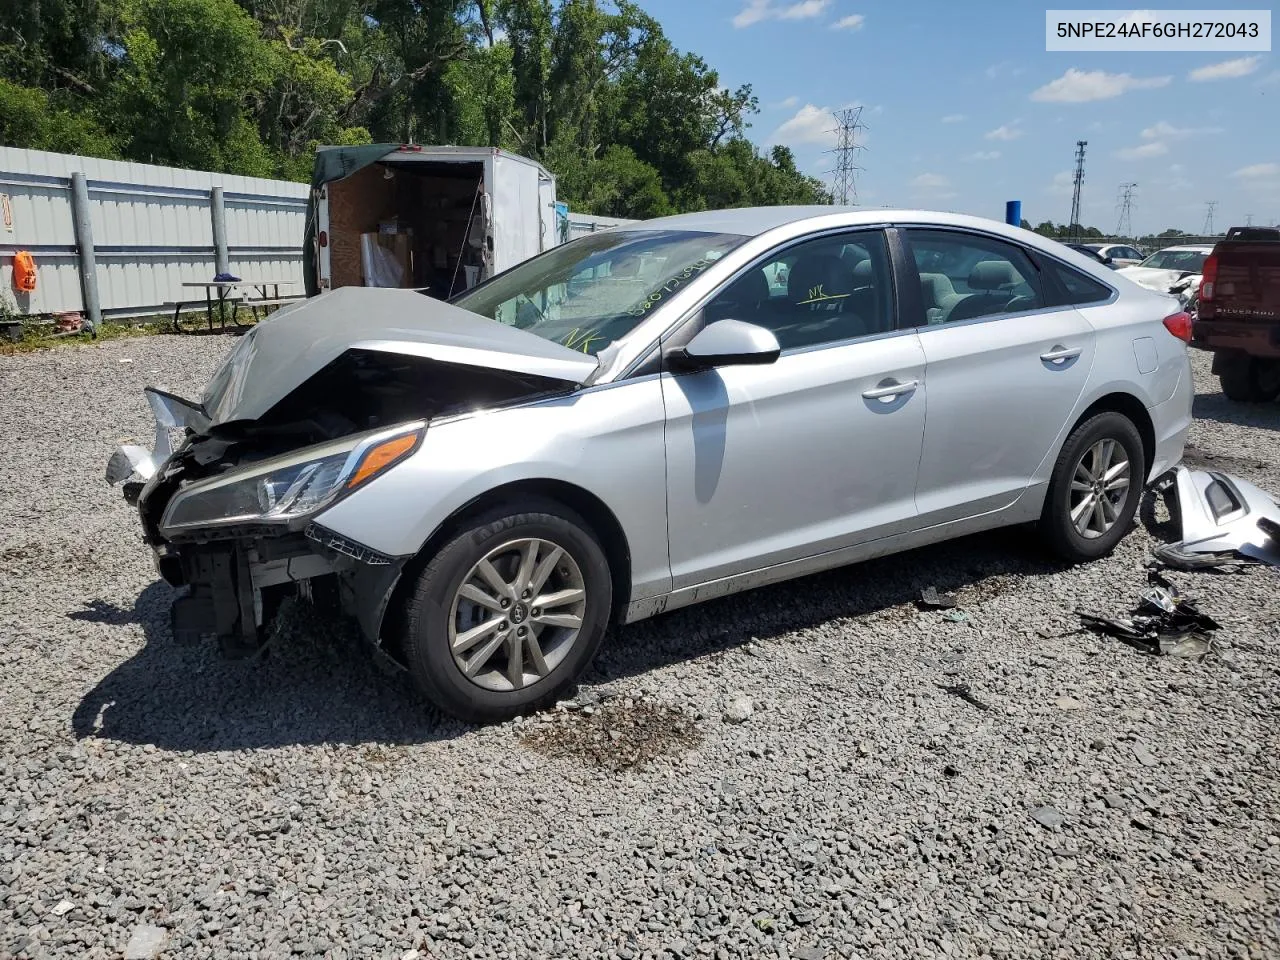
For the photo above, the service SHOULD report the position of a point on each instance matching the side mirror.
(728, 343)
(1109, 260)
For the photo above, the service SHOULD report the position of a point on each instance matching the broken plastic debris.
(932, 599)
(1219, 514)
(1172, 555)
(962, 691)
(955, 616)
(1164, 623)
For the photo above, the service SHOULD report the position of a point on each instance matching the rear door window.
(964, 276)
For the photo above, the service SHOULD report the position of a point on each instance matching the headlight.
(291, 487)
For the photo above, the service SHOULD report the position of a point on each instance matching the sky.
(964, 108)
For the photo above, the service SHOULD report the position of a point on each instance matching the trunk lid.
(283, 352)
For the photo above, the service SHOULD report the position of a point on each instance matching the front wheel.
(508, 613)
(1095, 488)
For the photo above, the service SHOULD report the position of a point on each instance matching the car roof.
(1188, 248)
(754, 221)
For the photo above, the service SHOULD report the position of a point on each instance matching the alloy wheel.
(517, 614)
(1099, 487)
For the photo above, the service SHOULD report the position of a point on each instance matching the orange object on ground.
(24, 271)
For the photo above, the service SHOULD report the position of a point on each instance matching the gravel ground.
(814, 770)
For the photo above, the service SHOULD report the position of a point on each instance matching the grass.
(40, 336)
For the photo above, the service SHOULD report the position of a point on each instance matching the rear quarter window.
(1076, 288)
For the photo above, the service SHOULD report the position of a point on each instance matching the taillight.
(1179, 324)
(1208, 274)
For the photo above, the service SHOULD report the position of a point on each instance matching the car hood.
(282, 352)
(1151, 278)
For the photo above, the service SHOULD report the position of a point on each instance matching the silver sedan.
(649, 417)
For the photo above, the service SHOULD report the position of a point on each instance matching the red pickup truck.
(1239, 313)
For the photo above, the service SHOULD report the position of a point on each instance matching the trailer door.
(517, 226)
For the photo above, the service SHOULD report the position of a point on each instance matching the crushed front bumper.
(235, 577)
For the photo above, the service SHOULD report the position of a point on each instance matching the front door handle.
(1060, 354)
(886, 390)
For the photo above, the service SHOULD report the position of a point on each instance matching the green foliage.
(631, 126)
(29, 118)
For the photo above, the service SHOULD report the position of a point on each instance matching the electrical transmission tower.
(1208, 218)
(1248, 219)
(1125, 227)
(843, 178)
(1074, 225)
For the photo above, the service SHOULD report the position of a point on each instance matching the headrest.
(862, 272)
(818, 277)
(937, 287)
(992, 275)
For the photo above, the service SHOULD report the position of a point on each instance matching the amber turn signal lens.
(382, 456)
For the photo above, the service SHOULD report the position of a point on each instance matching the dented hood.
(1151, 278)
(280, 353)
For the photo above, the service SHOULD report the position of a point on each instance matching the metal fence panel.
(152, 230)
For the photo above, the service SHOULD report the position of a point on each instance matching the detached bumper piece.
(1226, 521)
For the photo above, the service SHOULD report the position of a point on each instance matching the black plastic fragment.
(933, 599)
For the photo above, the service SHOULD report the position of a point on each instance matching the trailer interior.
(439, 230)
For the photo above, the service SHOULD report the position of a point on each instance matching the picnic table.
(224, 289)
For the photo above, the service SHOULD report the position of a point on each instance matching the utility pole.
(1125, 227)
(1074, 226)
(1208, 218)
(844, 187)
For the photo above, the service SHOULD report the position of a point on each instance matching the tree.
(592, 88)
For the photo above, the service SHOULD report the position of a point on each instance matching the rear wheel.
(508, 613)
(1095, 488)
(1250, 379)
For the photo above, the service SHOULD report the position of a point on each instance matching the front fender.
(607, 440)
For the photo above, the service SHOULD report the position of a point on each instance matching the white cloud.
(1082, 86)
(1004, 68)
(930, 181)
(1062, 183)
(1258, 171)
(1164, 130)
(758, 10)
(852, 22)
(810, 124)
(984, 155)
(954, 118)
(1008, 131)
(1226, 70)
(1155, 148)
(788, 103)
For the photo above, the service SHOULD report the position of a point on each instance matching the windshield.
(595, 290)
(1192, 260)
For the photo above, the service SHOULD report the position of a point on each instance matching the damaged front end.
(312, 406)
(233, 519)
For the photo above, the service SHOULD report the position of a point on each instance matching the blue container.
(1013, 212)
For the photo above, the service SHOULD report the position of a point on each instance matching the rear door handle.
(1060, 354)
(886, 390)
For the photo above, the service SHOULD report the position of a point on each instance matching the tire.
(1056, 522)
(1250, 380)
(438, 617)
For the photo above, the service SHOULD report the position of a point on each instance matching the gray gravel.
(900, 785)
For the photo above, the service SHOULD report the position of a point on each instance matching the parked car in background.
(1092, 254)
(1239, 313)
(1164, 268)
(486, 484)
(1120, 254)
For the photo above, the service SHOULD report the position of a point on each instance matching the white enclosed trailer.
(439, 219)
